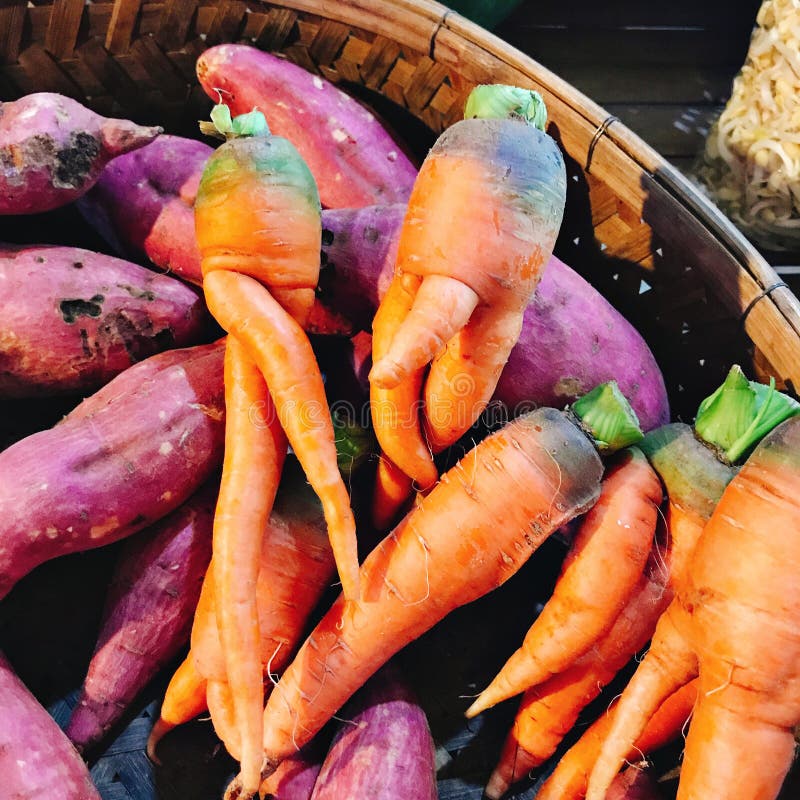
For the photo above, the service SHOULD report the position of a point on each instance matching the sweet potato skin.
(36, 758)
(143, 204)
(72, 319)
(147, 616)
(384, 744)
(52, 150)
(123, 459)
(354, 160)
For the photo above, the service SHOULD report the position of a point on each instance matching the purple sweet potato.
(294, 779)
(634, 784)
(122, 460)
(352, 157)
(572, 338)
(71, 319)
(384, 745)
(36, 758)
(143, 204)
(52, 150)
(147, 616)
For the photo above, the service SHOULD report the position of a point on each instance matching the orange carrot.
(295, 567)
(395, 411)
(460, 542)
(480, 226)
(254, 453)
(185, 698)
(392, 489)
(258, 226)
(548, 711)
(223, 716)
(568, 780)
(275, 340)
(734, 623)
(614, 540)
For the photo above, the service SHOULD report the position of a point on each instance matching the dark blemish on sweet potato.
(39, 259)
(74, 162)
(139, 294)
(371, 234)
(327, 237)
(77, 264)
(72, 309)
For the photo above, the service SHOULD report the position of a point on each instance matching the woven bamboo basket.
(699, 292)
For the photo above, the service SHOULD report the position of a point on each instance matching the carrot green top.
(607, 417)
(740, 413)
(499, 101)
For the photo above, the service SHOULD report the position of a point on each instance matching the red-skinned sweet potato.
(71, 319)
(143, 204)
(147, 616)
(36, 758)
(355, 162)
(122, 460)
(295, 777)
(384, 743)
(52, 150)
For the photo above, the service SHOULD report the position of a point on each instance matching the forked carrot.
(734, 622)
(254, 454)
(274, 340)
(480, 226)
(459, 542)
(568, 780)
(258, 226)
(695, 480)
(598, 576)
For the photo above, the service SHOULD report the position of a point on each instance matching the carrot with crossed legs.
(257, 219)
(479, 228)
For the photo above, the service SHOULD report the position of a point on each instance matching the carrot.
(221, 706)
(734, 624)
(392, 489)
(695, 480)
(614, 539)
(395, 410)
(185, 698)
(480, 226)
(459, 542)
(295, 567)
(568, 780)
(257, 219)
(254, 455)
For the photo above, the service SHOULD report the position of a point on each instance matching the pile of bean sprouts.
(751, 162)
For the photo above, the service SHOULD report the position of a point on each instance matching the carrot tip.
(386, 374)
(496, 787)
(160, 729)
